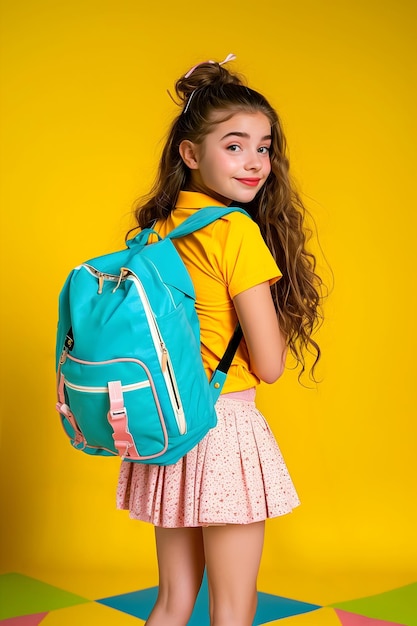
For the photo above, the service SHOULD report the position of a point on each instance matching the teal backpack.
(130, 378)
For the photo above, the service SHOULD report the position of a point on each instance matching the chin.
(245, 198)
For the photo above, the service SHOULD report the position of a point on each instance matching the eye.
(264, 150)
(233, 147)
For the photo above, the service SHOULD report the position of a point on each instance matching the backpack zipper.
(168, 371)
(102, 276)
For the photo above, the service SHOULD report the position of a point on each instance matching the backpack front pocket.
(113, 406)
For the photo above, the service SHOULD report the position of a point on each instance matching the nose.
(253, 161)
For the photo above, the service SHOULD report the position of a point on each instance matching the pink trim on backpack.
(66, 411)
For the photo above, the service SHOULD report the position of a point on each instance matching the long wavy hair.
(277, 208)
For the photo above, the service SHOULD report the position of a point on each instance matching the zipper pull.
(100, 283)
(123, 273)
(164, 359)
(63, 357)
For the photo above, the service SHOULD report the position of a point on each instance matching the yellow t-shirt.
(223, 259)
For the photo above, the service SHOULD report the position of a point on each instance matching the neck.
(199, 187)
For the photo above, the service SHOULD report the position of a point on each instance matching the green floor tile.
(399, 605)
(21, 595)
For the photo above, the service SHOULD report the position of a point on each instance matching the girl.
(209, 509)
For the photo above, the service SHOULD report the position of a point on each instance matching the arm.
(264, 339)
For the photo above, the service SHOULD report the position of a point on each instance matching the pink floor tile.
(24, 620)
(353, 619)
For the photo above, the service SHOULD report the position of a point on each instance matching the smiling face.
(232, 162)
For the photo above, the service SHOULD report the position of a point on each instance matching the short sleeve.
(247, 260)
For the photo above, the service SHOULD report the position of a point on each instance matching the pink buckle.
(118, 420)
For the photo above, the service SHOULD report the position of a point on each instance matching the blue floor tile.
(270, 607)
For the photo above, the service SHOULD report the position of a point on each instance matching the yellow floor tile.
(97, 584)
(90, 615)
(325, 587)
(321, 617)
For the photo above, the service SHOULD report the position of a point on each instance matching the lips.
(250, 182)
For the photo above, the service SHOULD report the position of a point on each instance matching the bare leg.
(181, 566)
(233, 555)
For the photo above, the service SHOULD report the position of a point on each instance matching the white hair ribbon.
(230, 57)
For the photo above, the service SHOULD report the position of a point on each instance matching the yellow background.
(84, 112)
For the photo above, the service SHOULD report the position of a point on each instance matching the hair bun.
(205, 74)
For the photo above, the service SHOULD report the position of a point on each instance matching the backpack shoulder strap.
(198, 220)
(203, 217)
(219, 375)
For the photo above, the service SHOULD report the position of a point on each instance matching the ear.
(189, 154)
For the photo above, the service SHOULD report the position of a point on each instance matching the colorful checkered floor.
(26, 601)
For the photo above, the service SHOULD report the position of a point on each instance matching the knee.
(237, 612)
(176, 607)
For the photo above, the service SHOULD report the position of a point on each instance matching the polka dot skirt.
(235, 475)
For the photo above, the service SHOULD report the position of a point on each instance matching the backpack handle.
(141, 239)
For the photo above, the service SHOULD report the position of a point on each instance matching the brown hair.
(277, 208)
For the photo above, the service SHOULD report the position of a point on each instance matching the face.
(232, 162)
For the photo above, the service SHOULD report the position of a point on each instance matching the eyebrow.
(236, 133)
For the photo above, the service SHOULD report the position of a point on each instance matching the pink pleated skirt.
(235, 475)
